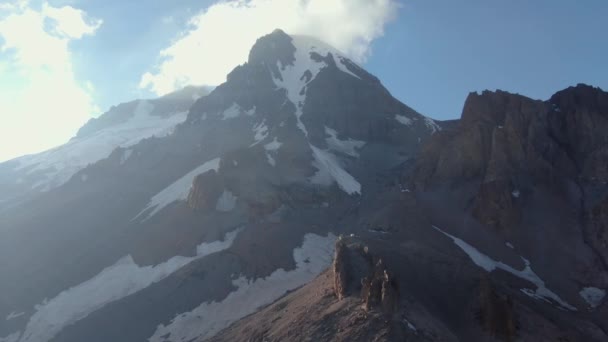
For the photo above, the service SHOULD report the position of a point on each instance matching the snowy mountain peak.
(279, 50)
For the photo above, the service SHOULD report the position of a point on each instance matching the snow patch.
(295, 78)
(232, 112)
(510, 245)
(272, 146)
(118, 281)
(489, 265)
(432, 125)
(404, 120)
(593, 296)
(515, 193)
(178, 191)
(250, 112)
(330, 171)
(314, 256)
(270, 159)
(341, 64)
(348, 147)
(125, 156)
(261, 132)
(226, 202)
(59, 164)
(410, 325)
(14, 315)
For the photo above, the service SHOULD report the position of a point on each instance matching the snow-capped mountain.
(171, 219)
(195, 207)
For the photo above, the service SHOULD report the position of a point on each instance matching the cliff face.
(578, 120)
(510, 146)
(503, 136)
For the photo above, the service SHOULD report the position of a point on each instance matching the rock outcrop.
(380, 290)
(356, 271)
(352, 262)
(205, 191)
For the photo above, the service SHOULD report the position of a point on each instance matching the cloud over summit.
(219, 38)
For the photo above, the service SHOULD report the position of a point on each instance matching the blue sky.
(439, 51)
(429, 54)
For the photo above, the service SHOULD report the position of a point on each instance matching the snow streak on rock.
(261, 132)
(489, 264)
(432, 125)
(226, 202)
(118, 281)
(14, 315)
(178, 191)
(296, 77)
(404, 120)
(232, 112)
(330, 171)
(209, 318)
(349, 146)
(593, 296)
(272, 147)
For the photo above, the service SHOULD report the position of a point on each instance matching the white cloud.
(71, 22)
(219, 38)
(41, 102)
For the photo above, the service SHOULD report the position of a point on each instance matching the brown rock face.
(340, 270)
(351, 263)
(496, 205)
(509, 143)
(579, 121)
(500, 135)
(598, 228)
(205, 191)
(355, 270)
(380, 290)
(496, 313)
